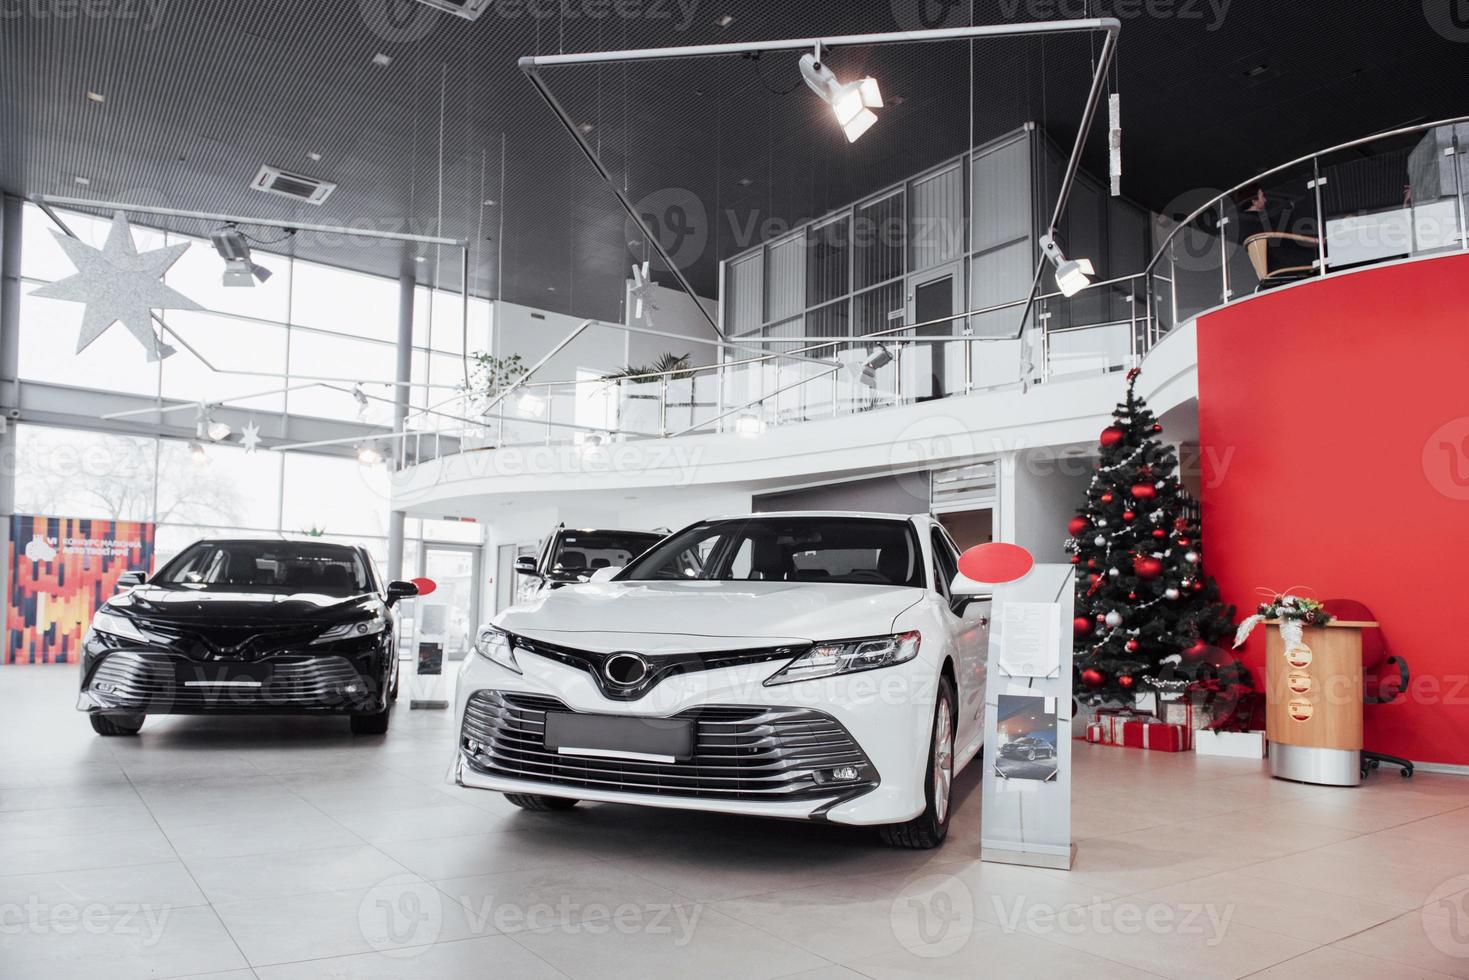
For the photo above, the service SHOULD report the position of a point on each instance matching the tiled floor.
(286, 848)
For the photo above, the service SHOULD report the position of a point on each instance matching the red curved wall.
(1334, 424)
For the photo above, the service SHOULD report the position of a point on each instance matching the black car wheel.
(371, 724)
(116, 724)
(929, 828)
(530, 801)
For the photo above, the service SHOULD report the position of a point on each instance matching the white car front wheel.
(929, 828)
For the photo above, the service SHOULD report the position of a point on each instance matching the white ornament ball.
(1101, 522)
(1114, 619)
(1114, 572)
(1192, 557)
(1099, 540)
(1171, 593)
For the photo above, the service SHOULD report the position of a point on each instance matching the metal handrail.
(1316, 155)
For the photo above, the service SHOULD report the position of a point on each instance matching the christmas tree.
(1147, 616)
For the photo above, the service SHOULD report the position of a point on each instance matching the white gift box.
(1233, 745)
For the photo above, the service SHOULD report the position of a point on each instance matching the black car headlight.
(847, 657)
(375, 623)
(495, 646)
(113, 624)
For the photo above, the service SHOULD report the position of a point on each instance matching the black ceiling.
(201, 94)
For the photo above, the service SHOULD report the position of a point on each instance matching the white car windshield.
(852, 550)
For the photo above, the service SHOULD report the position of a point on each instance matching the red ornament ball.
(1131, 646)
(1159, 533)
(1078, 525)
(1107, 497)
(1092, 677)
(1181, 524)
(1144, 491)
(1111, 436)
(1076, 559)
(1132, 595)
(1157, 427)
(1183, 542)
(1128, 515)
(1146, 566)
(1125, 682)
(1081, 626)
(1198, 586)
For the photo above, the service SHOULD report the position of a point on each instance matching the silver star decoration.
(119, 285)
(250, 436)
(642, 291)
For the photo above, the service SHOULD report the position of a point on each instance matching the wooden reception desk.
(1313, 714)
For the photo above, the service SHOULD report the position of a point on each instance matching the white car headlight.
(119, 626)
(494, 645)
(371, 626)
(848, 656)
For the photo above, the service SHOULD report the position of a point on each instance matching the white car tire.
(929, 828)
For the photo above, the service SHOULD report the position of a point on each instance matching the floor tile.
(99, 849)
(172, 943)
(1339, 964)
(167, 884)
(283, 873)
(517, 901)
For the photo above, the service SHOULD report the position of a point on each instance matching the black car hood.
(219, 607)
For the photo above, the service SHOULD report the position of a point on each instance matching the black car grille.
(661, 665)
(245, 642)
(740, 752)
(158, 682)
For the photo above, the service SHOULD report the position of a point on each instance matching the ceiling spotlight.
(197, 455)
(82, 180)
(382, 60)
(724, 20)
(853, 102)
(96, 97)
(205, 426)
(1072, 275)
(232, 246)
(864, 371)
(218, 431)
(313, 156)
(368, 454)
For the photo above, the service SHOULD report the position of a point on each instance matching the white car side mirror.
(966, 592)
(605, 574)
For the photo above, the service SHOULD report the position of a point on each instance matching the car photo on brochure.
(1026, 725)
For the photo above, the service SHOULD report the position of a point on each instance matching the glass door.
(450, 614)
(933, 297)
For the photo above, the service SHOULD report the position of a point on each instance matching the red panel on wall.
(1334, 424)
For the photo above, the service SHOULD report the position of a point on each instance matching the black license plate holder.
(619, 737)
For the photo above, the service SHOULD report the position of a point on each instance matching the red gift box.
(1156, 736)
(1094, 732)
(1113, 721)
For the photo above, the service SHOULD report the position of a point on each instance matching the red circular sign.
(426, 586)
(995, 562)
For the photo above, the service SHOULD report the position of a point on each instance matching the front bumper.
(139, 681)
(761, 751)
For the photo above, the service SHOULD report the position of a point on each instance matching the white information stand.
(1026, 772)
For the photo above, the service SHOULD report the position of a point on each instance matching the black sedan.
(1028, 747)
(246, 627)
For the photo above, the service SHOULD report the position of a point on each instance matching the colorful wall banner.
(61, 570)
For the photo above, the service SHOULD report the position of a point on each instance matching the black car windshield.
(853, 550)
(268, 566)
(580, 553)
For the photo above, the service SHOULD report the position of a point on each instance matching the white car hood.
(707, 615)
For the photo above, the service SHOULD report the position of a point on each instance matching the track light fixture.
(197, 454)
(1072, 275)
(205, 426)
(368, 454)
(234, 248)
(852, 102)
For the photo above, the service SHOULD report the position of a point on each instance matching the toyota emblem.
(625, 669)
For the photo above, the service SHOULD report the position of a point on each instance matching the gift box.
(1094, 732)
(1157, 736)
(1113, 721)
(1181, 712)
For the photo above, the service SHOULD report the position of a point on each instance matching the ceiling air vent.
(274, 180)
(468, 9)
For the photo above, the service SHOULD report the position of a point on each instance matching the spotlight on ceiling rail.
(368, 454)
(852, 102)
(1072, 275)
(197, 455)
(234, 248)
(205, 425)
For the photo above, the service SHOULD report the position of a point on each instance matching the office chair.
(1374, 656)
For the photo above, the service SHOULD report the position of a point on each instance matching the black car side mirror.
(526, 565)
(131, 580)
(401, 590)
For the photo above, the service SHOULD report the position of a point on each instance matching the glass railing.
(1396, 195)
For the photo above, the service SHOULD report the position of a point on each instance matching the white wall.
(1048, 487)
(676, 312)
(532, 333)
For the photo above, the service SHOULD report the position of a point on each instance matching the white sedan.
(805, 665)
